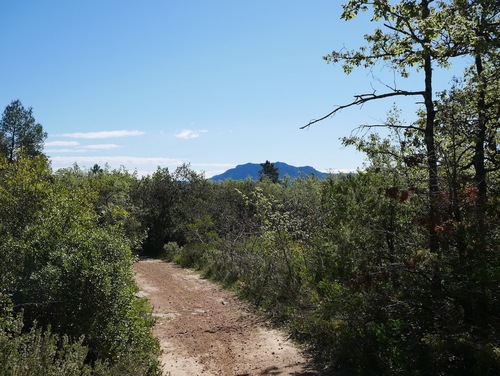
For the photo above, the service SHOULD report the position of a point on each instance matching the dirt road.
(205, 330)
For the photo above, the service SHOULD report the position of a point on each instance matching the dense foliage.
(19, 132)
(345, 264)
(67, 303)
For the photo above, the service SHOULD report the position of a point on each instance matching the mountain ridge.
(251, 171)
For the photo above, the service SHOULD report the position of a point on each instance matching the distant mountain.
(251, 171)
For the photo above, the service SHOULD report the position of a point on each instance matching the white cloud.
(115, 160)
(188, 134)
(103, 134)
(61, 143)
(79, 150)
(226, 165)
(101, 146)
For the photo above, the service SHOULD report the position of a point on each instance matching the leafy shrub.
(67, 269)
(38, 352)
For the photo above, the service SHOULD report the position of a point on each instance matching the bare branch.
(362, 99)
(393, 126)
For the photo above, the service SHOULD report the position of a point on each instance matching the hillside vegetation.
(343, 262)
(393, 270)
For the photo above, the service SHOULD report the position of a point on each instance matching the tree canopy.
(269, 171)
(20, 134)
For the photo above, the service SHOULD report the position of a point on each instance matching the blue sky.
(211, 83)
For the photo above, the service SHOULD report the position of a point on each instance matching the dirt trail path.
(205, 330)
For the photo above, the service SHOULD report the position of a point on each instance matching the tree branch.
(362, 99)
(393, 126)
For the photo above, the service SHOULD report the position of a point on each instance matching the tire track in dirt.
(205, 330)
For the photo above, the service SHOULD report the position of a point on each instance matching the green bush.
(66, 268)
(38, 352)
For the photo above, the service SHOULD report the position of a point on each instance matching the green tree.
(65, 266)
(24, 189)
(167, 203)
(156, 196)
(20, 133)
(469, 214)
(419, 35)
(482, 43)
(269, 171)
(457, 286)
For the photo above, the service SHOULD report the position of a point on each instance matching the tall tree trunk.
(12, 147)
(480, 234)
(429, 140)
(479, 157)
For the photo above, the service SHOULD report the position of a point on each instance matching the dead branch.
(361, 99)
